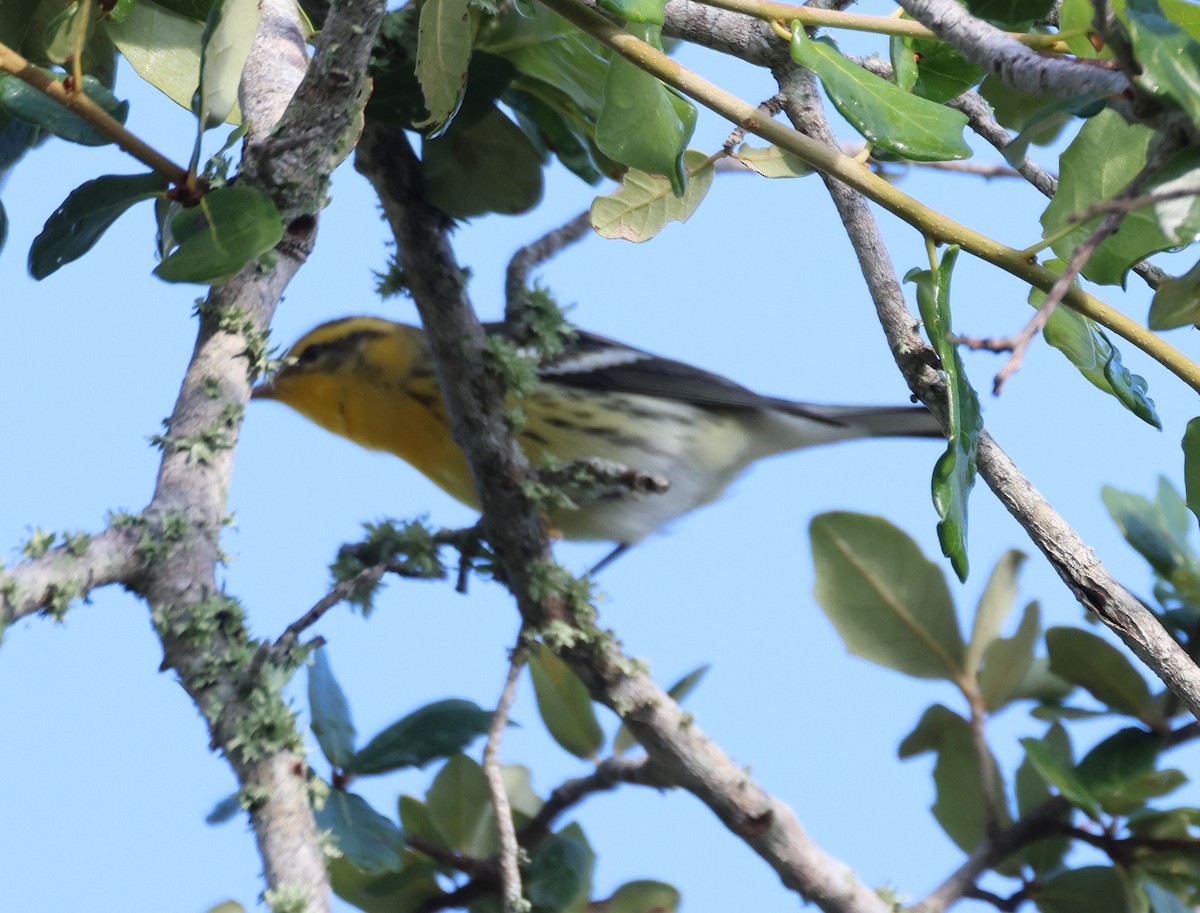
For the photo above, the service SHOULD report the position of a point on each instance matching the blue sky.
(106, 769)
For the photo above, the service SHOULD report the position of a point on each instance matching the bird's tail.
(789, 425)
(871, 421)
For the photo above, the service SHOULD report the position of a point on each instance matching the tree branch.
(829, 161)
(65, 573)
(203, 632)
(547, 598)
(1075, 563)
(1020, 67)
(75, 101)
(1040, 823)
(533, 255)
(510, 850)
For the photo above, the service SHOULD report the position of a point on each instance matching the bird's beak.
(265, 390)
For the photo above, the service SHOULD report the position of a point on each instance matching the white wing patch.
(595, 360)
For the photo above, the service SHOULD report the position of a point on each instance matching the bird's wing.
(594, 362)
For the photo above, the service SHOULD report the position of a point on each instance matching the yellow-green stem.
(811, 17)
(1038, 246)
(85, 12)
(931, 252)
(79, 104)
(858, 176)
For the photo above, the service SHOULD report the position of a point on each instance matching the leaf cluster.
(439, 850)
(892, 606)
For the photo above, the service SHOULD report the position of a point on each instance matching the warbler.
(372, 381)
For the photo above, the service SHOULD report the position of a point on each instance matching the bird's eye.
(312, 353)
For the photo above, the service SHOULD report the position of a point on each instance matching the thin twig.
(830, 162)
(83, 107)
(986, 170)
(448, 857)
(608, 774)
(1018, 344)
(824, 16)
(510, 850)
(983, 756)
(770, 107)
(341, 592)
(525, 260)
(1129, 204)
(1038, 824)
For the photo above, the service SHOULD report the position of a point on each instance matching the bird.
(373, 381)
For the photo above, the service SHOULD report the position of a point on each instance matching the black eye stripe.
(313, 352)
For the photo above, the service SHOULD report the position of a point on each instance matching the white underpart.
(700, 454)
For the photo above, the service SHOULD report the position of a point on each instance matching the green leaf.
(1011, 15)
(939, 72)
(396, 96)
(85, 215)
(230, 228)
(1120, 771)
(461, 809)
(645, 203)
(1105, 156)
(643, 897)
(192, 9)
(437, 730)
(225, 810)
(1168, 55)
(1075, 20)
(1007, 661)
(927, 735)
(1145, 527)
(443, 53)
(961, 804)
(646, 11)
(554, 126)
(59, 36)
(518, 786)
(954, 472)
(1100, 668)
(1176, 302)
(15, 19)
(1191, 465)
(368, 840)
(416, 820)
(487, 166)
(643, 123)
(1043, 686)
(1089, 349)
(228, 906)
(772, 162)
(405, 891)
(330, 711)
(907, 125)
(888, 602)
(1059, 773)
(547, 48)
(564, 704)
(224, 48)
(624, 739)
(558, 872)
(1178, 219)
(23, 101)
(994, 605)
(1031, 791)
(164, 48)
(1092, 889)
(1039, 119)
